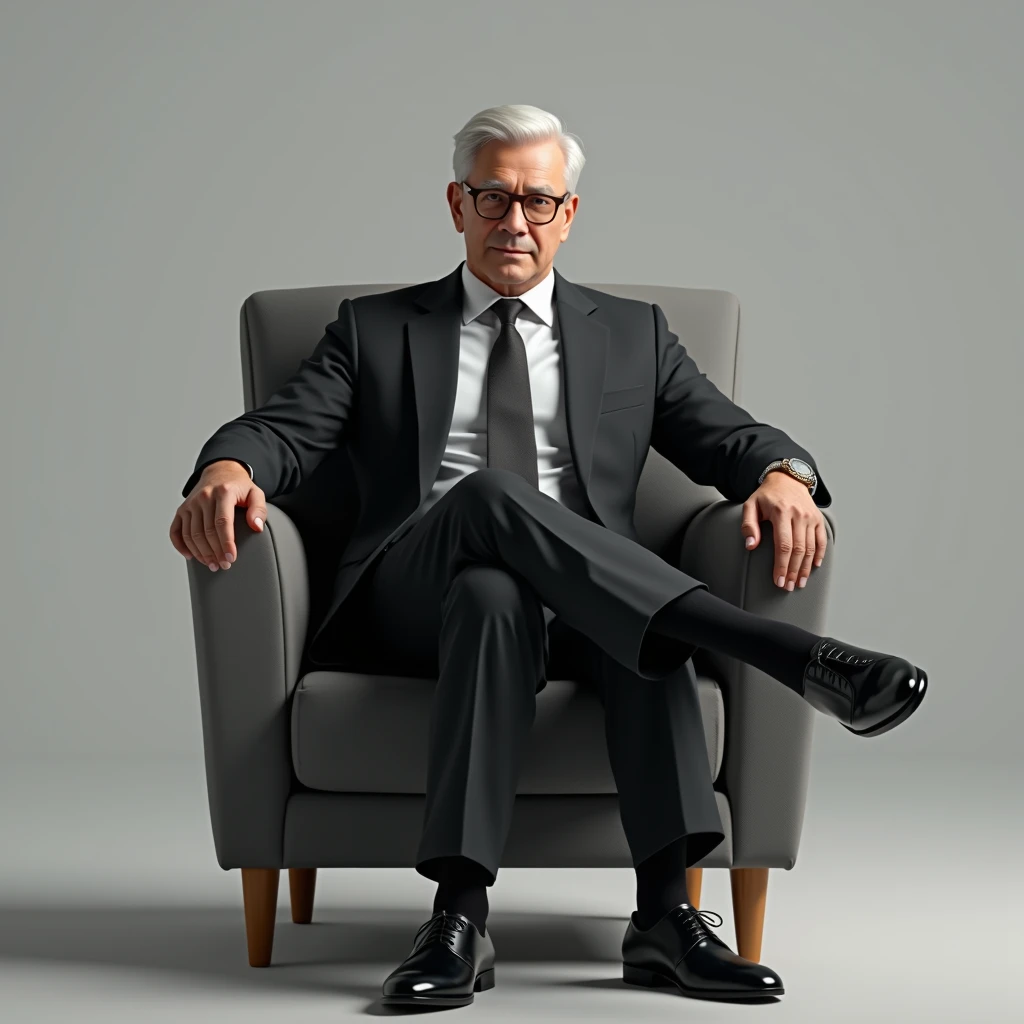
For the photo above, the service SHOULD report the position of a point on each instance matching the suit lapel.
(432, 340)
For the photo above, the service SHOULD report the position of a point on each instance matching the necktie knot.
(508, 310)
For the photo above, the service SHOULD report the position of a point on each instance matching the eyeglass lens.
(539, 209)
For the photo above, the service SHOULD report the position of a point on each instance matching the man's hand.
(797, 522)
(204, 525)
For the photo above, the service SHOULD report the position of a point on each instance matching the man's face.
(514, 169)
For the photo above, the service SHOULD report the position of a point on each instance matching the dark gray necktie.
(511, 443)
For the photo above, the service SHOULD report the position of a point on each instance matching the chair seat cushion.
(357, 732)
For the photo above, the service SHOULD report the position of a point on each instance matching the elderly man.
(530, 403)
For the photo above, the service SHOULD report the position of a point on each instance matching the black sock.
(661, 883)
(462, 888)
(779, 649)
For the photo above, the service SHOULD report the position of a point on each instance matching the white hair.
(517, 124)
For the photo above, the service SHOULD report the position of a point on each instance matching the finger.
(805, 564)
(796, 556)
(224, 524)
(220, 526)
(176, 538)
(200, 540)
(257, 509)
(748, 526)
(186, 533)
(783, 527)
(820, 541)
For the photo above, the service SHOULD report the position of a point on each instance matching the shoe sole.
(484, 980)
(651, 979)
(901, 715)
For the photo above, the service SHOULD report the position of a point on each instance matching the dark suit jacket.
(382, 382)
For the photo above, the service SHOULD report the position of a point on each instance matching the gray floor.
(905, 904)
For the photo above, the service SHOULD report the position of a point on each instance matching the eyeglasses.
(494, 203)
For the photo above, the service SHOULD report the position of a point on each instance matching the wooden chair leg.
(259, 895)
(302, 885)
(749, 890)
(694, 877)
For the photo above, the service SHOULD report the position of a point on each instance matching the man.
(532, 403)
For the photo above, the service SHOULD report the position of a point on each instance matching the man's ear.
(455, 198)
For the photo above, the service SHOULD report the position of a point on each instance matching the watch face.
(800, 466)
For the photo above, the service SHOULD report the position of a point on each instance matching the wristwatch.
(794, 467)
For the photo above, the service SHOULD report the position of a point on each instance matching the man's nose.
(514, 219)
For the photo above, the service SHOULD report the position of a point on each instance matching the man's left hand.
(797, 523)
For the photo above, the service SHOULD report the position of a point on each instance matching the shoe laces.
(826, 668)
(833, 652)
(441, 928)
(696, 920)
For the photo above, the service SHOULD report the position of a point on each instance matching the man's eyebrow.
(494, 183)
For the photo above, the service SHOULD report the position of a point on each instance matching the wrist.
(798, 469)
(233, 463)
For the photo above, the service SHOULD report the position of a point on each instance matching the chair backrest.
(280, 328)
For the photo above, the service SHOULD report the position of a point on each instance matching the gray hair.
(518, 124)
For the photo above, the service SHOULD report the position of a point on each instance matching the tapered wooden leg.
(749, 891)
(302, 885)
(694, 877)
(259, 894)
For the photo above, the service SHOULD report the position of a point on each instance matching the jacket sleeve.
(705, 434)
(287, 437)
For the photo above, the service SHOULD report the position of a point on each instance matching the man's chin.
(515, 266)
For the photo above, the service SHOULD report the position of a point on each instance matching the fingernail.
(230, 557)
(750, 542)
(803, 581)
(225, 565)
(258, 522)
(789, 585)
(213, 566)
(781, 580)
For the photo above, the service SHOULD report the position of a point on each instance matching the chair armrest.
(768, 732)
(250, 625)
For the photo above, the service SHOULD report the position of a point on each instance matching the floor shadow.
(616, 982)
(206, 945)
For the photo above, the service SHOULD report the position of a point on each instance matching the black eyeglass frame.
(515, 197)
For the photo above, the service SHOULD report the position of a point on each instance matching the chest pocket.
(624, 398)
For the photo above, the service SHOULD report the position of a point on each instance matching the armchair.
(310, 769)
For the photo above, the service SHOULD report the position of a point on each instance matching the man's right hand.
(204, 525)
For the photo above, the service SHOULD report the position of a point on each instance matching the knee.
(493, 590)
(490, 602)
(489, 485)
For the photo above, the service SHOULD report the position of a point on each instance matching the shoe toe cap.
(411, 985)
(716, 967)
(421, 983)
(752, 975)
(768, 980)
(427, 974)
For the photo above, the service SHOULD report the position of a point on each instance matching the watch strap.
(783, 465)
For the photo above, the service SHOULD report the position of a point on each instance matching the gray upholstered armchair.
(326, 768)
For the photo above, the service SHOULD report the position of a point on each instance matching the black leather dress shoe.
(450, 960)
(680, 951)
(867, 691)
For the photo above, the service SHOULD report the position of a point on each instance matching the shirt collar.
(478, 296)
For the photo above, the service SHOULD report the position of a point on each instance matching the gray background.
(851, 171)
